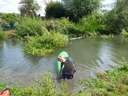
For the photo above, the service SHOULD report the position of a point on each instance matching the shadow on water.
(89, 56)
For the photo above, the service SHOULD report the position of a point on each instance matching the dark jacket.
(69, 67)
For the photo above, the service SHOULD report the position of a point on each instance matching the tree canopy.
(76, 9)
(28, 8)
(55, 10)
(117, 19)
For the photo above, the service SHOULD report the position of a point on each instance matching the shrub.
(2, 86)
(9, 21)
(10, 18)
(68, 27)
(76, 9)
(2, 34)
(44, 87)
(91, 24)
(124, 33)
(73, 31)
(55, 10)
(58, 25)
(63, 26)
(30, 27)
(112, 83)
(45, 44)
(117, 18)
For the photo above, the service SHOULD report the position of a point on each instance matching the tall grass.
(63, 26)
(124, 33)
(2, 34)
(30, 27)
(91, 25)
(44, 87)
(111, 83)
(45, 44)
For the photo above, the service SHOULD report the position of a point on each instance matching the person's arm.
(73, 65)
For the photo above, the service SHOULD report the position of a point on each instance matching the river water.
(89, 55)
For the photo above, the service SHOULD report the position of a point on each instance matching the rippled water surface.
(17, 68)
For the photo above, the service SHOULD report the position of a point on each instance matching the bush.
(117, 18)
(30, 27)
(45, 44)
(2, 34)
(44, 87)
(115, 85)
(58, 24)
(124, 33)
(55, 10)
(68, 27)
(63, 26)
(10, 18)
(2, 86)
(74, 31)
(112, 83)
(9, 21)
(91, 25)
(76, 9)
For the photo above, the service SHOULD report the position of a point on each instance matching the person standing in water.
(67, 67)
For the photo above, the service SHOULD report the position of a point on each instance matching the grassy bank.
(2, 34)
(110, 83)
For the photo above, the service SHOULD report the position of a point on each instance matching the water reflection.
(105, 56)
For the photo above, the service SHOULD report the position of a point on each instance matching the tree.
(55, 10)
(76, 9)
(29, 8)
(117, 19)
(92, 24)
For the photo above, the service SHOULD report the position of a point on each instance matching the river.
(89, 55)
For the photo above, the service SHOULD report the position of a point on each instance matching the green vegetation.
(44, 87)
(9, 17)
(88, 20)
(63, 26)
(29, 8)
(45, 36)
(124, 33)
(2, 86)
(46, 44)
(80, 18)
(55, 10)
(76, 9)
(72, 9)
(30, 27)
(92, 25)
(2, 34)
(117, 19)
(111, 83)
(8, 21)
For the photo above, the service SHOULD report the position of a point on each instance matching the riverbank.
(111, 83)
(44, 36)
